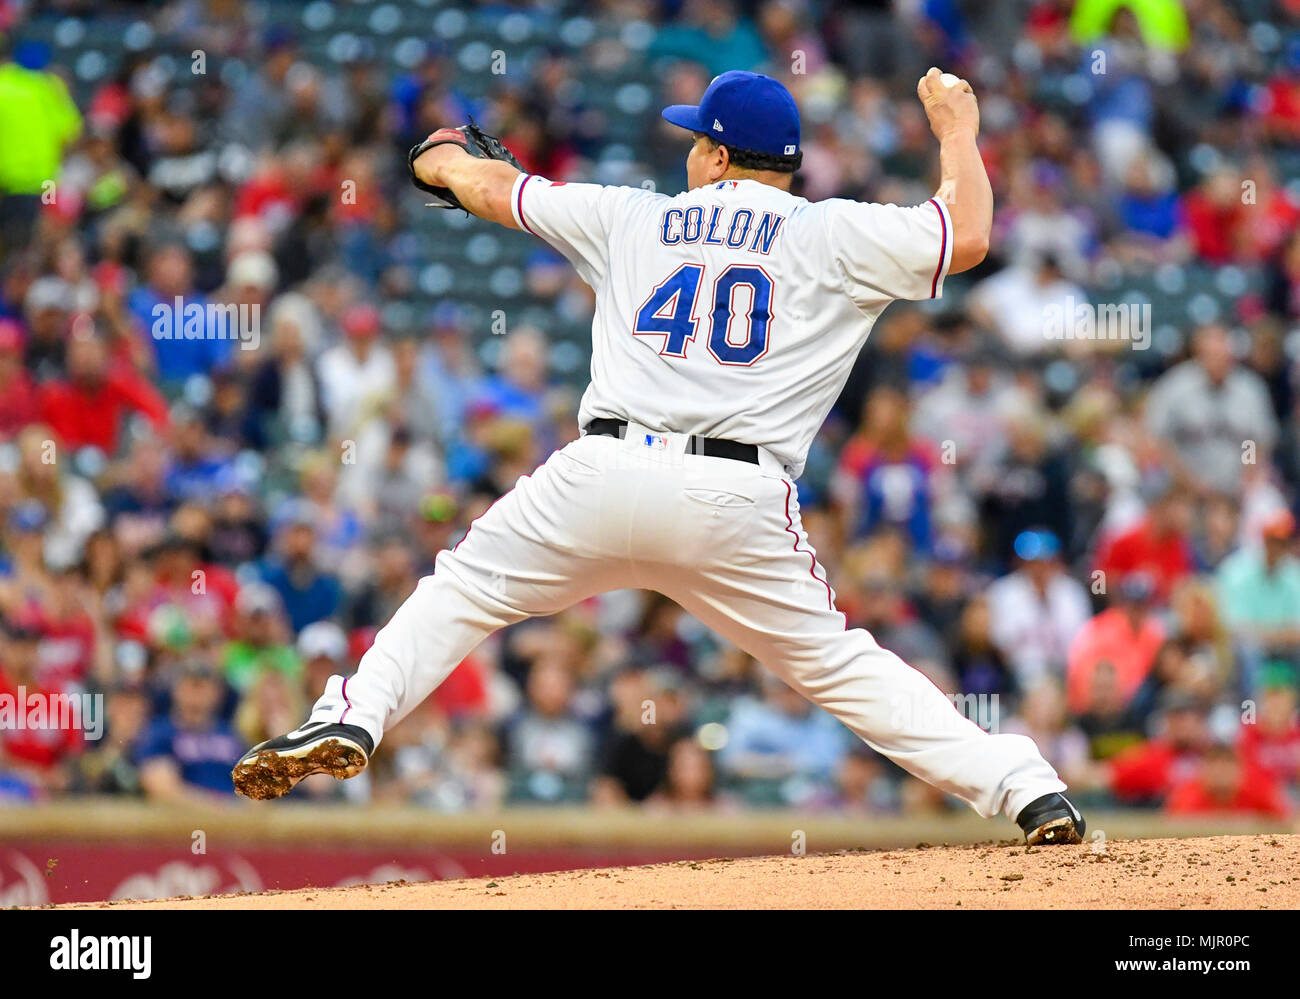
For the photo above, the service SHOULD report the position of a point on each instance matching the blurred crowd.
(1091, 541)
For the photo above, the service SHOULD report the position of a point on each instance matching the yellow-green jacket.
(37, 121)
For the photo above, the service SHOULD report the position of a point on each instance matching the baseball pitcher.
(727, 319)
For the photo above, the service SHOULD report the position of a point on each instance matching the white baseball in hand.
(948, 80)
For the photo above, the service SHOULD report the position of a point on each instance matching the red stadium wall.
(33, 873)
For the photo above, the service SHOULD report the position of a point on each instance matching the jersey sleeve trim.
(945, 248)
(517, 201)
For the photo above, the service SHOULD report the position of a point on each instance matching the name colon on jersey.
(720, 226)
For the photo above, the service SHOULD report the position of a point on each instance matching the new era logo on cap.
(761, 114)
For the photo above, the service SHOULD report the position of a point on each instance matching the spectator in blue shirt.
(883, 479)
(1146, 207)
(787, 740)
(186, 755)
(518, 389)
(309, 593)
(198, 469)
(178, 351)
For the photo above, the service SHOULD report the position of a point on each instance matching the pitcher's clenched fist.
(948, 107)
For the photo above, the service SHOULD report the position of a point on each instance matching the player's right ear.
(717, 159)
(724, 162)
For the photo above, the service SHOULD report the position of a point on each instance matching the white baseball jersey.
(734, 310)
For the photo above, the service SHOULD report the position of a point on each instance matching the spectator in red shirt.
(1270, 741)
(17, 391)
(1214, 214)
(189, 600)
(276, 191)
(1146, 773)
(466, 693)
(87, 407)
(68, 650)
(1281, 104)
(1126, 635)
(1159, 544)
(35, 753)
(1227, 786)
(1275, 216)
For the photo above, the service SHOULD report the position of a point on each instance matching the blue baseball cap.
(1036, 544)
(743, 111)
(32, 55)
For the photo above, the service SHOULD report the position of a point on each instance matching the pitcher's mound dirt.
(1220, 872)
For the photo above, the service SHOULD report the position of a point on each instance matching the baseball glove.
(475, 141)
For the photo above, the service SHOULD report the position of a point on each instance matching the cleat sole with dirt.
(273, 773)
(1060, 831)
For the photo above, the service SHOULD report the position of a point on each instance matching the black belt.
(709, 446)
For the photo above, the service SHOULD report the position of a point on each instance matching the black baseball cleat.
(1050, 820)
(272, 768)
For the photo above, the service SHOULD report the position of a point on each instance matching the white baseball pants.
(724, 540)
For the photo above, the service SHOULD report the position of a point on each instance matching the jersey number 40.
(738, 322)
